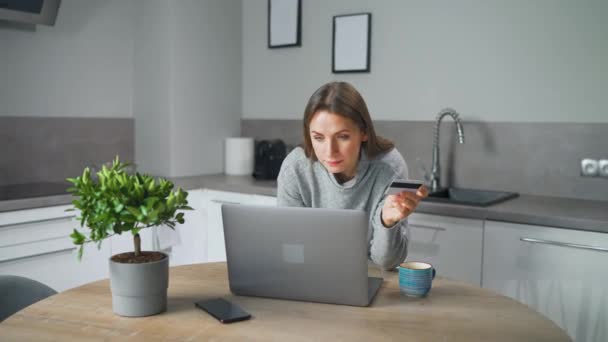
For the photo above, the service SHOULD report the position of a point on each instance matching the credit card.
(399, 185)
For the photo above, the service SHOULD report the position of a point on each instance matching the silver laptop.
(307, 254)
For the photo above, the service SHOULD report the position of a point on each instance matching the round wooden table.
(453, 311)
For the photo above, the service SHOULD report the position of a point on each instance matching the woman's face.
(336, 141)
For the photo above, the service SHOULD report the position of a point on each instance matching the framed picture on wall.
(284, 23)
(351, 43)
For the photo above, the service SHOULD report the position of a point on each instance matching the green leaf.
(171, 200)
(118, 208)
(117, 201)
(151, 201)
(77, 237)
(134, 211)
(153, 215)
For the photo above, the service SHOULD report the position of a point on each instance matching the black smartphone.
(223, 310)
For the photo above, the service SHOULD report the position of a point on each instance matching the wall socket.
(594, 167)
(603, 166)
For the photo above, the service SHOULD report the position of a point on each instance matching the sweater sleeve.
(288, 188)
(389, 246)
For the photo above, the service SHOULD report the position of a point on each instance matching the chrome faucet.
(435, 183)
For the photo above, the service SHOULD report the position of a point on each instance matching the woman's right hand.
(401, 205)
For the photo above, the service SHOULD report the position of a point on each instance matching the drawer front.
(559, 272)
(223, 197)
(60, 269)
(33, 215)
(452, 245)
(40, 231)
(35, 243)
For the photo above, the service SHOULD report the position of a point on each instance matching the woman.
(344, 165)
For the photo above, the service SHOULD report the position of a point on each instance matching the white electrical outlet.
(603, 167)
(589, 167)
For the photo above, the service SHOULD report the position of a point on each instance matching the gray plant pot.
(139, 289)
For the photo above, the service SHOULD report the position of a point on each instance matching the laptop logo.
(293, 254)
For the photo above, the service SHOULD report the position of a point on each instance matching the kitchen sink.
(475, 197)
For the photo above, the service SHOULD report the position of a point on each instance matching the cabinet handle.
(70, 249)
(564, 244)
(423, 226)
(223, 202)
(38, 221)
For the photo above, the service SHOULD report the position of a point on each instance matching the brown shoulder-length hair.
(343, 99)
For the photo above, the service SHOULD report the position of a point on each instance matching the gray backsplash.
(36, 149)
(528, 158)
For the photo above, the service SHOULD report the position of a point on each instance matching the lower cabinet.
(452, 245)
(35, 243)
(561, 273)
(216, 248)
(188, 243)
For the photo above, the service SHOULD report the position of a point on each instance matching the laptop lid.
(308, 254)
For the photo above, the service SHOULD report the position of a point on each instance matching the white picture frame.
(351, 43)
(284, 23)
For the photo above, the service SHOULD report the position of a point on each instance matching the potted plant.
(117, 202)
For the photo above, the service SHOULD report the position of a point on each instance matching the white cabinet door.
(452, 245)
(269, 201)
(35, 243)
(559, 272)
(188, 244)
(216, 250)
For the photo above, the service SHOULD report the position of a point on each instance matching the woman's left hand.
(401, 205)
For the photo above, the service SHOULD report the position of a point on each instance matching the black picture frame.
(284, 23)
(351, 43)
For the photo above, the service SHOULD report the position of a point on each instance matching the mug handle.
(434, 272)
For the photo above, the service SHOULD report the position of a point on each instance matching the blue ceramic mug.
(416, 278)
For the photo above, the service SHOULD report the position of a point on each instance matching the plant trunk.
(137, 243)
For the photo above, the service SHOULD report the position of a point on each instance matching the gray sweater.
(302, 183)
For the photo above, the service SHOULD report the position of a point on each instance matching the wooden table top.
(453, 311)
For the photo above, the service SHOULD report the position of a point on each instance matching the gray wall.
(206, 83)
(187, 84)
(524, 157)
(171, 66)
(66, 92)
(510, 61)
(151, 86)
(529, 79)
(50, 149)
(81, 67)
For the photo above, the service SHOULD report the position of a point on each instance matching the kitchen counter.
(526, 209)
